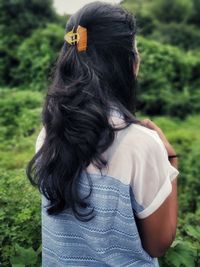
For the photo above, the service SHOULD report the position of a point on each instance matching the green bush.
(195, 18)
(184, 135)
(20, 238)
(18, 19)
(182, 35)
(36, 56)
(20, 113)
(173, 22)
(172, 10)
(165, 79)
(19, 219)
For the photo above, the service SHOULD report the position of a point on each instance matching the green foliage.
(19, 218)
(24, 257)
(181, 254)
(174, 22)
(35, 14)
(172, 10)
(18, 19)
(166, 82)
(20, 238)
(36, 56)
(184, 135)
(20, 113)
(146, 24)
(195, 18)
(183, 35)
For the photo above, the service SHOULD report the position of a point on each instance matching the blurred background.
(31, 35)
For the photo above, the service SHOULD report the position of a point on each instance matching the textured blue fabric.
(110, 239)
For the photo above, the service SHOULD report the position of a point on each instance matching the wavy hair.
(76, 109)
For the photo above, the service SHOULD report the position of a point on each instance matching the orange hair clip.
(78, 38)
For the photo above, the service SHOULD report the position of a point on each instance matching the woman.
(108, 186)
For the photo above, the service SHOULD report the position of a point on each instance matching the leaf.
(176, 242)
(183, 254)
(23, 257)
(193, 231)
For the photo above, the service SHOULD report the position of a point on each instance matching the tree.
(36, 54)
(18, 19)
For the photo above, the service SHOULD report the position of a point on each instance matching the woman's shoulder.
(138, 139)
(136, 135)
(144, 132)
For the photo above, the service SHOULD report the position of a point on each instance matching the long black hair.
(76, 108)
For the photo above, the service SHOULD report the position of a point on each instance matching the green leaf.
(23, 257)
(193, 231)
(183, 254)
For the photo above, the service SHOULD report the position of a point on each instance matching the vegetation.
(169, 93)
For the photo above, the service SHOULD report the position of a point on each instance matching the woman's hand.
(170, 150)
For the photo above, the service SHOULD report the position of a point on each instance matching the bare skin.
(158, 230)
(136, 65)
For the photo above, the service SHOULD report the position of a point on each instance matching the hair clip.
(72, 37)
(78, 38)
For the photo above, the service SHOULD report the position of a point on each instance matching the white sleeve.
(173, 172)
(40, 140)
(152, 175)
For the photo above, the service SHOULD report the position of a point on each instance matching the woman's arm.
(158, 230)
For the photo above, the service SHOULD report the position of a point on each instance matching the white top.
(143, 163)
(136, 182)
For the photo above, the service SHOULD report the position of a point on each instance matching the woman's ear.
(136, 65)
